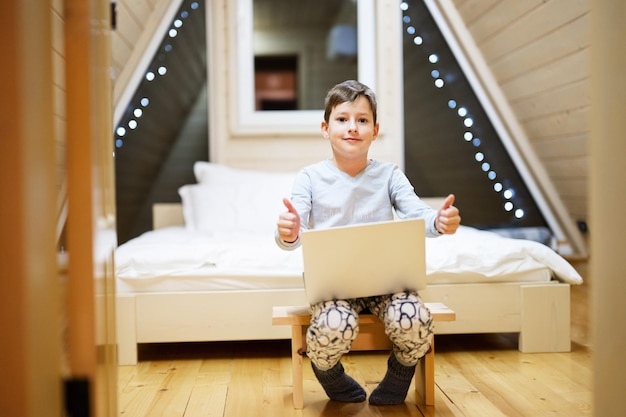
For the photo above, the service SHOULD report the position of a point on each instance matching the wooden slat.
(566, 146)
(462, 392)
(572, 167)
(176, 388)
(138, 10)
(471, 10)
(554, 45)
(564, 96)
(244, 389)
(132, 17)
(572, 122)
(549, 16)
(136, 397)
(210, 389)
(574, 187)
(548, 76)
(120, 50)
(129, 27)
(496, 19)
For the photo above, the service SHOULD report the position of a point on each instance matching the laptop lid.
(364, 260)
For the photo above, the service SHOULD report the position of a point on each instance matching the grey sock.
(338, 385)
(395, 385)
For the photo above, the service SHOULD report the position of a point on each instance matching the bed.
(211, 271)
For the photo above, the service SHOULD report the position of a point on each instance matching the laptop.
(364, 260)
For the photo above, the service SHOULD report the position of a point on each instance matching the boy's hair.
(348, 91)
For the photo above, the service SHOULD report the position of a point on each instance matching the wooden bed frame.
(538, 312)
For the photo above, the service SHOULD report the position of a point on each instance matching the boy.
(347, 189)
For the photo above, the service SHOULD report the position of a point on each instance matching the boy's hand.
(448, 219)
(288, 224)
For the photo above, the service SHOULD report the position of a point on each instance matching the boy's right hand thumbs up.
(288, 224)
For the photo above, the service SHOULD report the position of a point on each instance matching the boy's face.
(351, 129)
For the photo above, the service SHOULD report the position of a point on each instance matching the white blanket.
(178, 251)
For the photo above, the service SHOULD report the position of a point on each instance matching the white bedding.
(176, 258)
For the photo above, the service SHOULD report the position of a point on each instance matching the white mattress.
(212, 282)
(176, 259)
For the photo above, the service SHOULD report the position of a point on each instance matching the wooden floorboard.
(476, 375)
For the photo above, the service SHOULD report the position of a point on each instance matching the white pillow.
(210, 172)
(188, 203)
(231, 200)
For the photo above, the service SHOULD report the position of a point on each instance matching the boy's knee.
(406, 313)
(334, 320)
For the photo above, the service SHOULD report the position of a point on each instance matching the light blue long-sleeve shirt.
(325, 197)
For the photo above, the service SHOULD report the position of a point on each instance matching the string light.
(467, 121)
(144, 102)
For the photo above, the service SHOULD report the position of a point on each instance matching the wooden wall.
(538, 52)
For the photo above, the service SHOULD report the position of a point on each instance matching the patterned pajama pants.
(335, 325)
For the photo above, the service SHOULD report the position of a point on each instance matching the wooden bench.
(371, 337)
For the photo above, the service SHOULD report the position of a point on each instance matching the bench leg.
(425, 376)
(298, 343)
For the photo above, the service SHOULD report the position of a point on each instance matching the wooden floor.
(476, 375)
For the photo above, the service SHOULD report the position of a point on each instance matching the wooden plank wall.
(538, 52)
